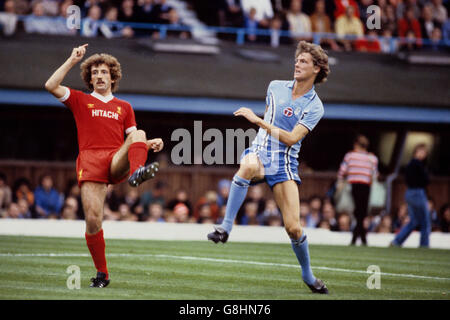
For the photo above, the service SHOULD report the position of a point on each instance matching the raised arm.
(287, 137)
(53, 84)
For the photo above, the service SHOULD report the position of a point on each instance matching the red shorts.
(95, 165)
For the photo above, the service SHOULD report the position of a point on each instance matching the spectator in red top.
(341, 5)
(408, 24)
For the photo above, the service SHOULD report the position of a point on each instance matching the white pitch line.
(165, 256)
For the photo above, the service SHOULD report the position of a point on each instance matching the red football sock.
(137, 155)
(96, 245)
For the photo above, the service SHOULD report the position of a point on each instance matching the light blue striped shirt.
(285, 113)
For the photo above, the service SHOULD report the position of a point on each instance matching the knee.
(93, 222)
(249, 170)
(138, 136)
(294, 231)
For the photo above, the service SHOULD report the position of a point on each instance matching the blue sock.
(238, 191)
(300, 248)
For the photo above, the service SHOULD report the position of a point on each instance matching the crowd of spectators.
(22, 201)
(98, 18)
(410, 20)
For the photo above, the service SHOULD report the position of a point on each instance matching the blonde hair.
(96, 60)
(319, 56)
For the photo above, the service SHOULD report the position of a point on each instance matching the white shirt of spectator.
(299, 23)
(263, 8)
(8, 22)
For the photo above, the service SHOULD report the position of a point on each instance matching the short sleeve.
(268, 94)
(130, 120)
(311, 117)
(70, 98)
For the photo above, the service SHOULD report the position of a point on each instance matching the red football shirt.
(101, 121)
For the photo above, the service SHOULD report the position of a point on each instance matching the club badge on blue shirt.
(288, 112)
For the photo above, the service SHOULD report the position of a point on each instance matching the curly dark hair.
(319, 56)
(96, 60)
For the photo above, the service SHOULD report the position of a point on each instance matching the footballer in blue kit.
(293, 109)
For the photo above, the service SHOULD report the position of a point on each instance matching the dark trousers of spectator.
(360, 193)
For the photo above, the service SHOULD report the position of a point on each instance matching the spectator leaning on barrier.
(358, 168)
(348, 25)
(48, 200)
(321, 22)
(91, 24)
(111, 28)
(263, 11)
(174, 20)
(299, 22)
(251, 24)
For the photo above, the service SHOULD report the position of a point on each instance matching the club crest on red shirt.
(288, 112)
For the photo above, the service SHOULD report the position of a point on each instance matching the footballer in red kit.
(101, 123)
(105, 155)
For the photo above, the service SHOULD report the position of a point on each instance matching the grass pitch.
(35, 268)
